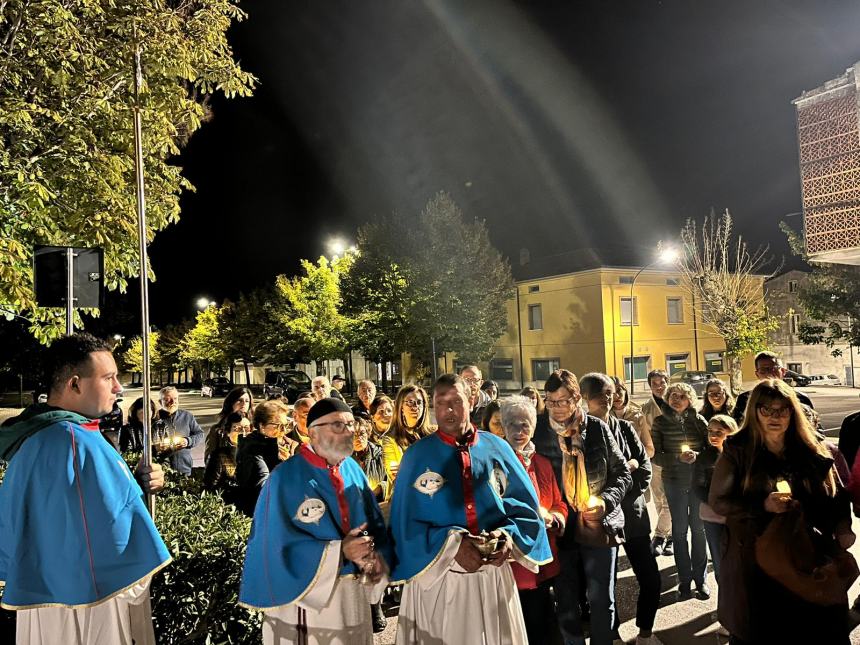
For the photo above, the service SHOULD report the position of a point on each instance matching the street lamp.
(666, 256)
(204, 302)
(336, 246)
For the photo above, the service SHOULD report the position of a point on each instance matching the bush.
(194, 598)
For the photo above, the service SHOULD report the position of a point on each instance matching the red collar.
(468, 440)
(313, 458)
(91, 425)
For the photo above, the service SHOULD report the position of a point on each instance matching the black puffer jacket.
(256, 457)
(605, 466)
(671, 431)
(636, 521)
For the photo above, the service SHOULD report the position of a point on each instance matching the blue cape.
(428, 501)
(74, 530)
(296, 517)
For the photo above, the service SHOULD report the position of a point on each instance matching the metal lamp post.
(667, 256)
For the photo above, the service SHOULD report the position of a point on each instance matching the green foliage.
(204, 344)
(131, 360)
(436, 276)
(726, 282)
(312, 319)
(66, 162)
(830, 297)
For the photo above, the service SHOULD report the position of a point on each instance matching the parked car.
(694, 378)
(290, 383)
(796, 379)
(825, 379)
(218, 386)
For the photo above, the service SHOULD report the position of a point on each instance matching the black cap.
(337, 377)
(326, 406)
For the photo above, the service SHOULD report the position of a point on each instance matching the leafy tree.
(434, 277)
(830, 297)
(169, 348)
(247, 327)
(66, 162)
(132, 359)
(203, 344)
(726, 281)
(312, 319)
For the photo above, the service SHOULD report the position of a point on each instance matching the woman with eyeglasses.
(777, 464)
(411, 422)
(261, 451)
(679, 434)
(718, 399)
(381, 415)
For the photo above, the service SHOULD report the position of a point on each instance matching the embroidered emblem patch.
(498, 480)
(429, 483)
(310, 511)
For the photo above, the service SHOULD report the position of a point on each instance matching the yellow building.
(581, 321)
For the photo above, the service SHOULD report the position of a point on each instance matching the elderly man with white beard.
(315, 560)
(463, 506)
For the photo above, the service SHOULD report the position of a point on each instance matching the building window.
(673, 282)
(535, 317)
(626, 311)
(502, 369)
(794, 324)
(534, 288)
(792, 286)
(543, 367)
(675, 311)
(796, 367)
(677, 363)
(640, 367)
(715, 361)
(625, 279)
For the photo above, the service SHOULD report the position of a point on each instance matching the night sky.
(562, 124)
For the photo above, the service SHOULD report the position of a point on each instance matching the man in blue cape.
(463, 505)
(77, 546)
(315, 559)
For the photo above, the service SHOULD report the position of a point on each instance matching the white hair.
(510, 405)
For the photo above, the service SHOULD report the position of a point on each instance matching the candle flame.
(783, 486)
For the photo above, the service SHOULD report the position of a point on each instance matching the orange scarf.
(573, 474)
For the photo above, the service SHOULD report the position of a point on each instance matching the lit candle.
(593, 501)
(783, 486)
(685, 448)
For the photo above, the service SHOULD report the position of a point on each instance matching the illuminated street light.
(336, 246)
(666, 256)
(204, 302)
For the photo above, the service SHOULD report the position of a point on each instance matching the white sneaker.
(651, 640)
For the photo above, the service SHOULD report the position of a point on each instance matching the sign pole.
(70, 291)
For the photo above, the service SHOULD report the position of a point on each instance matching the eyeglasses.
(279, 426)
(473, 381)
(337, 426)
(715, 395)
(561, 403)
(677, 396)
(780, 413)
(413, 404)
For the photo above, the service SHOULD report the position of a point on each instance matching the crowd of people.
(500, 523)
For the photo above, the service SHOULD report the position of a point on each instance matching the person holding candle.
(679, 434)
(410, 422)
(220, 473)
(318, 550)
(599, 392)
(239, 400)
(592, 474)
(658, 381)
(463, 507)
(182, 432)
(777, 443)
(518, 418)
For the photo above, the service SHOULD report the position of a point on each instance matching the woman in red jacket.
(518, 420)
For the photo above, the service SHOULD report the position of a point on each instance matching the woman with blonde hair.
(679, 434)
(776, 464)
(411, 422)
(534, 395)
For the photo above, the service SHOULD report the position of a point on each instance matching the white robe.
(335, 609)
(125, 619)
(444, 604)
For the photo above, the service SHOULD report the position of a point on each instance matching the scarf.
(526, 454)
(573, 474)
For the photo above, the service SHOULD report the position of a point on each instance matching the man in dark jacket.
(478, 399)
(565, 435)
(180, 429)
(767, 365)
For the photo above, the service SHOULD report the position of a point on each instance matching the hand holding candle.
(685, 448)
(783, 487)
(596, 508)
(687, 456)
